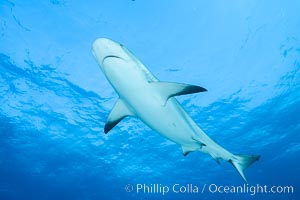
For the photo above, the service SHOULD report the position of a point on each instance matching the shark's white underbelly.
(165, 119)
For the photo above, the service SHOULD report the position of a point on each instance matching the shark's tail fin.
(241, 162)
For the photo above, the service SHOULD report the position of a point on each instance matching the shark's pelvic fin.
(119, 112)
(186, 149)
(241, 162)
(169, 89)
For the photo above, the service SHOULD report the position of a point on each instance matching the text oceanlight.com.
(207, 188)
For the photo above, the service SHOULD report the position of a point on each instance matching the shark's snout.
(102, 42)
(104, 48)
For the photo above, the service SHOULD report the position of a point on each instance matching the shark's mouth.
(110, 56)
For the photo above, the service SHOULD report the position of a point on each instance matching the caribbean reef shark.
(142, 95)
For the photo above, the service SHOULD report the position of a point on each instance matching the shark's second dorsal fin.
(170, 89)
(119, 112)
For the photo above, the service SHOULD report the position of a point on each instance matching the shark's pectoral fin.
(169, 89)
(119, 112)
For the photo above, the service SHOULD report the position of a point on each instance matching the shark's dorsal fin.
(170, 89)
(119, 112)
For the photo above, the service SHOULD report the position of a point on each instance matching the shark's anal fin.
(169, 89)
(119, 112)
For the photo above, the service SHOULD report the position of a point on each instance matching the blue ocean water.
(55, 100)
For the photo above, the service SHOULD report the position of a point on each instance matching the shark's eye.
(121, 45)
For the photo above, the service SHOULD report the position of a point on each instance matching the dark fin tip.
(106, 129)
(201, 89)
(258, 157)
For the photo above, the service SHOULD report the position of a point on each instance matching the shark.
(144, 96)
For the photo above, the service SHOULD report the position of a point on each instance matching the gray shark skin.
(142, 95)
